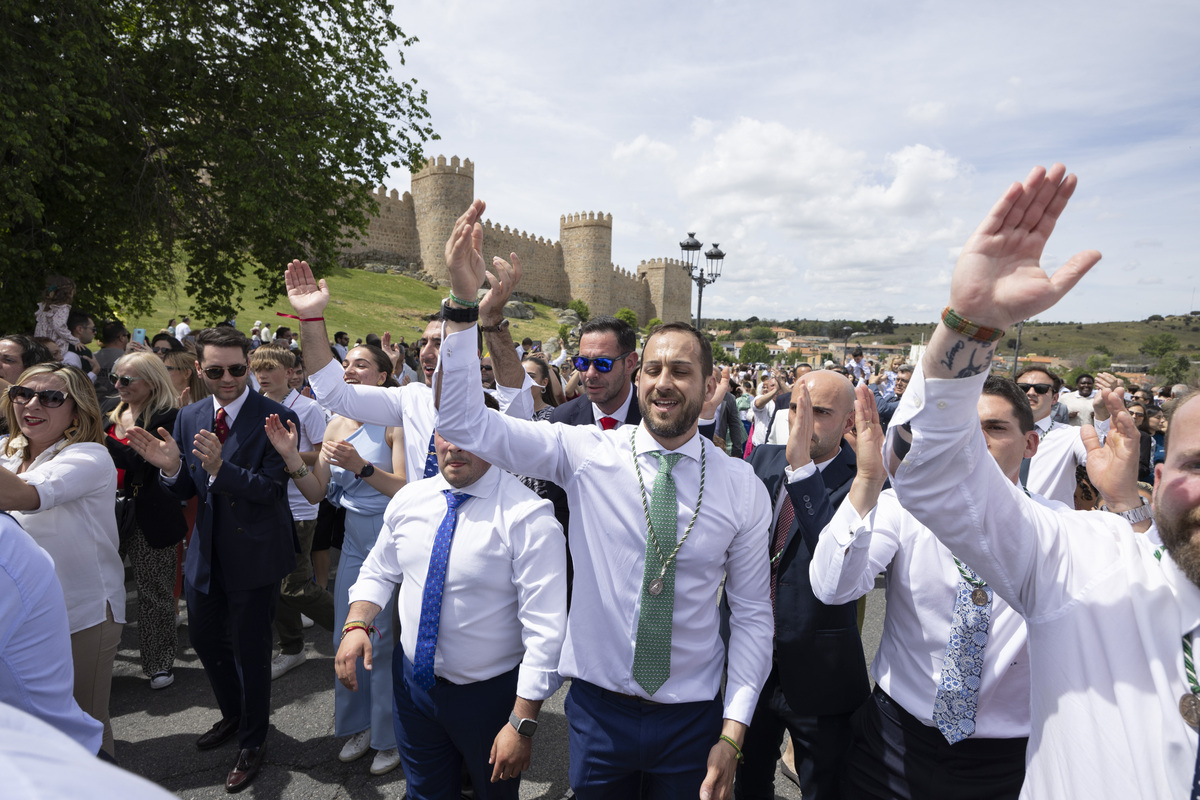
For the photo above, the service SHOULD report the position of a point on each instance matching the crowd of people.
(687, 545)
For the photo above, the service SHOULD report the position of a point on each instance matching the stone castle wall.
(411, 231)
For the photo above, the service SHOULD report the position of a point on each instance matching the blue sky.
(839, 153)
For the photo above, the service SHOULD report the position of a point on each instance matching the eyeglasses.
(485, 368)
(1040, 388)
(123, 380)
(1136, 414)
(602, 364)
(215, 373)
(49, 398)
(161, 351)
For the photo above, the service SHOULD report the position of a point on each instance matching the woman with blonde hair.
(58, 481)
(148, 400)
(181, 366)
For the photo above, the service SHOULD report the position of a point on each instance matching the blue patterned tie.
(431, 600)
(958, 695)
(431, 467)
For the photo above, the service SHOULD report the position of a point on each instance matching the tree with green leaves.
(754, 353)
(1159, 345)
(138, 136)
(628, 316)
(581, 309)
(653, 323)
(761, 333)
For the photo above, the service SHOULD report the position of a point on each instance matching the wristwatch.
(525, 727)
(500, 326)
(1134, 515)
(455, 314)
(367, 471)
(300, 473)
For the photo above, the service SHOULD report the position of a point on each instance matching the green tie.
(652, 653)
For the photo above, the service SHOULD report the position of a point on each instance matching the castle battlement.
(438, 166)
(411, 230)
(591, 218)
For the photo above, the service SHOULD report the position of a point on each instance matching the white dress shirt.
(922, 587)
(1052, 468)
(409, 406)
(505, 599)
(75, 523)
(1104, 616)
(608, 542)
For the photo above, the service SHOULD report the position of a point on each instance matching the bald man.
(819, 674)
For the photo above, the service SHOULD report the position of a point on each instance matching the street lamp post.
(701, 275)
(846, 329)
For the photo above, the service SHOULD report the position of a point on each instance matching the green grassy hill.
(361, 302)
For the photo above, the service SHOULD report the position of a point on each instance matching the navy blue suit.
(242, 547)
(819, 677)
(579, 411)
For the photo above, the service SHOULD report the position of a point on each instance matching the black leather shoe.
(219, 734)
(248, 762)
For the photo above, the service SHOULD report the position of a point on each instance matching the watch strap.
(524, 727)
(459, 314)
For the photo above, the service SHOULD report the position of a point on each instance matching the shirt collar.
(234, 408)
(821, 467)
(1187, 592)
(484, 487)
(645, 443)
(1045, 423)
(620, 415)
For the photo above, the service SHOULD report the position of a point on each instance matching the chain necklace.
(656, 586)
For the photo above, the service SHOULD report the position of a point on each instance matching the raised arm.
(998, 280)
(309, 297)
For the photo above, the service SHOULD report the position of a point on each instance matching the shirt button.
(941, 403)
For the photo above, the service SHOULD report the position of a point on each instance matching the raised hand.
(464, 258)
(207, 447)
(159, 452)
(998, 280)
(1112, 467)
(800, 435)
(503, 279)
(307, 295)
(286, 441)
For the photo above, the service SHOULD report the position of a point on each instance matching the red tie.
(787, 515)
(608, 423)
(221, 428)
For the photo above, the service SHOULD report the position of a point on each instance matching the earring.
(72, 429)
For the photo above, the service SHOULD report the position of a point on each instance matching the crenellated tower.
(587, 259)
(441, 193)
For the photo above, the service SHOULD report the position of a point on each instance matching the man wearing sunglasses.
(243, 544)
(1051, 472)
(606, 361)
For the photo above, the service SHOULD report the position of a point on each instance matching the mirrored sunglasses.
(602, 364)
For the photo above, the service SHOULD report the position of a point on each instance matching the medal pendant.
(656, 586)
(1189, 709)
(979, 597)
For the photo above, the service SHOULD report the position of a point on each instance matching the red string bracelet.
(302, 319)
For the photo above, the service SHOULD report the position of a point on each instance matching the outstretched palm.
(307, 295)
(998, 279)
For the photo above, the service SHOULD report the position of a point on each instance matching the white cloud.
(643, 147)
(931, 112)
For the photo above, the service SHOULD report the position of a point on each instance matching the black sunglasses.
(602, 364)
(215, 373)
(1040, 388)
(123, 380)
(49, 398)
(162, 351)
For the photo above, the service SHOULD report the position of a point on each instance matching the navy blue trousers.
(449, 727)
(232, 634)
(622, 747)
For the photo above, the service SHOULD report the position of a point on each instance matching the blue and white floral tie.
(957, 697)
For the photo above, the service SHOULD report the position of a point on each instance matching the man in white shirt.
(1109, 615)
(411, 405)
(1079, 402)
(646, 665)
(1051, 473)
(184, 329)
(899, 749)
(299, 594)
(481, 628)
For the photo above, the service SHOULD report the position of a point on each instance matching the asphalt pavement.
(156, 731)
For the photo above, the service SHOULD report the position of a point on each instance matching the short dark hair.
(373, 339)
(32, 351)
(77, 318)
(171, 341)
(706, 356)
(282, 330)
(626, 336)
(1078, 378)
(1008, 390)
(221, 336)
(340, 334)
(112, 331)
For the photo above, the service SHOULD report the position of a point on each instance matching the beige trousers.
(93, 651)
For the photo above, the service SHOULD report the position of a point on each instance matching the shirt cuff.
(800, 473)
(537, 684)
(372, 590)
(942, 403)
(459, 349)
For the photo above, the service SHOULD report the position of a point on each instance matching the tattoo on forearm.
(972, 368)
(948, 360)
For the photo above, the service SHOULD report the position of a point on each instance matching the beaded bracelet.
(732, 744)
(464, 303)
(979, 333)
